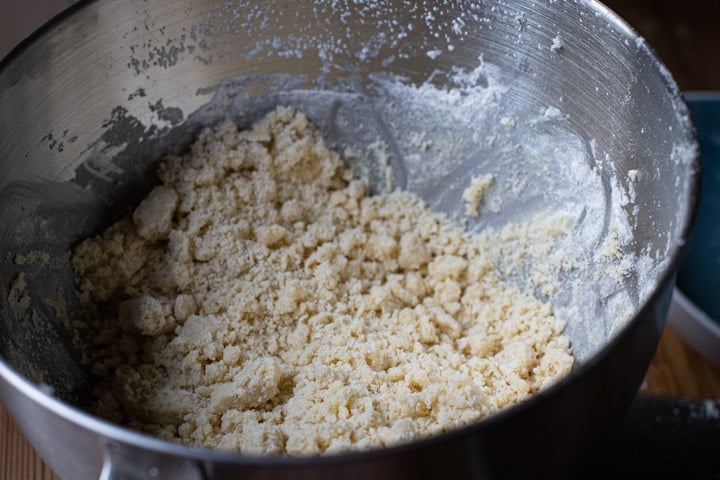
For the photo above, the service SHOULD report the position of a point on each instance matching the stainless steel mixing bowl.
(562, 94)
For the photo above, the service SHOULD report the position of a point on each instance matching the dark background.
(684, 33)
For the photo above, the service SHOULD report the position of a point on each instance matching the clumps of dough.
(259, 301)
(257, 383)
(146, 315)
(153, 217)
(474, 194)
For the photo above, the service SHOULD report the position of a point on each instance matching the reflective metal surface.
(90, 103)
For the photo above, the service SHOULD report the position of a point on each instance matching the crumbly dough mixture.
(260, 301)
(474, 194)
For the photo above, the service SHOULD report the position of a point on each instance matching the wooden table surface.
(686, 39)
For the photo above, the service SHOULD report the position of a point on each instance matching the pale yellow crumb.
(474, 195)
(35, 257)
(18, 297)
(557, 44)
(379, 150)
(508, 123)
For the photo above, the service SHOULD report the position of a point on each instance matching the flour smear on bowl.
(260, 300)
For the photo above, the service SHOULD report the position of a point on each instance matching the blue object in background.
(699, 276)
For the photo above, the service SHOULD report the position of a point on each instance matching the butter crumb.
(474, 195)
(557, 44)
